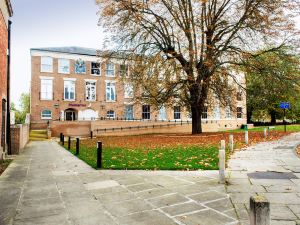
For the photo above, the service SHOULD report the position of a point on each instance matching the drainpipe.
(8, 140)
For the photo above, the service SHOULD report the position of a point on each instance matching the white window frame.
(177, 112)
(239, 113)
(86, 90)
(144, 112)
(61, 67)
(93, 74)
(49, 96)
(74, 82)
(108, 84)
(228, 113)
(46, 118)
(108, 113)
(204, 114)
(114, 69)
(44, 64)
(128, 90)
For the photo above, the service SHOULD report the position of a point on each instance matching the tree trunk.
(273, 117)
(249, 115)
(196, 120)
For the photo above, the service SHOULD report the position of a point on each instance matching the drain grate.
(272, 175)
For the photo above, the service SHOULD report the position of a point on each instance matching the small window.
(95, 68)
(110, 69)
(64, 66)
(146, 112)
(124, 71)
(80, 66)
(46, 114)
(204, 113)
(239, 112)
(46, 64)
(177, 113)
(110, 114)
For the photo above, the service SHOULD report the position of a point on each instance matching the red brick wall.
(3, 67)
(19, 137)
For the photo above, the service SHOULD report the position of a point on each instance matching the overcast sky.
(49, 23)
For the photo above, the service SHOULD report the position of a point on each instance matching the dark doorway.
(70, 115)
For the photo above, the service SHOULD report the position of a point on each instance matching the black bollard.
(77, 146)
(69, 143)
(99, 154)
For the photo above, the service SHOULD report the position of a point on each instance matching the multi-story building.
(75, 84)
(5, 14)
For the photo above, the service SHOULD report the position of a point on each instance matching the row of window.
(146, 113)
(90, 90)
(80, 67)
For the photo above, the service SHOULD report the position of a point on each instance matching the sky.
(48, 23)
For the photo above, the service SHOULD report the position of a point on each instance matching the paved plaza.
(48, 185)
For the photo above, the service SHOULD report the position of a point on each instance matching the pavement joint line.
(177, 204)
(130, 185)
(169, 194)
(190, 213)
(145, 190)
(161, 211)
(215, 200)
(200, 193)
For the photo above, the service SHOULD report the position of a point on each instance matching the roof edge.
(9, 7)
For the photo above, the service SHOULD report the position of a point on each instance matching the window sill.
(110, 101)
(96, 75)
(91, 100)
(46, 99)
(69, 100)
(46, 118)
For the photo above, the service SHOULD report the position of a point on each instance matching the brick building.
(6, 13)
(74, 84)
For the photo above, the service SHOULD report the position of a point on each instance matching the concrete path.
(47, 185)
(270, 169)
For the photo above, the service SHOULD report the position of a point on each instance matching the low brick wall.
(19, 137)
(70, 128)
(83, 128)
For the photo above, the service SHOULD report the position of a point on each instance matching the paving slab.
(184, 208)
(82, 195)
(147, 218)
(167, 200)
(205, 217)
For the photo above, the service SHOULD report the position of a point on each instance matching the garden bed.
(4, 164)
(163, 152)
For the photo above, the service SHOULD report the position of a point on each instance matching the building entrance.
(70, 115)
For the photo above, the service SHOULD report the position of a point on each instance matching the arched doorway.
(70, 114)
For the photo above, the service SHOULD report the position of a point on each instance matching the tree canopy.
(203, 42)
(272, 78)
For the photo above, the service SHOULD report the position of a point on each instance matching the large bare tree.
(203, 41)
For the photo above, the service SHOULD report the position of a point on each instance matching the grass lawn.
(163, 152)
